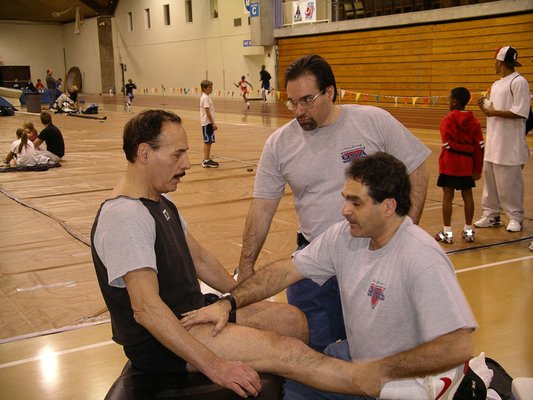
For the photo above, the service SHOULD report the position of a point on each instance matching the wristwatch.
(231, 299)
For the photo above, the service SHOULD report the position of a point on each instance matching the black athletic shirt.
(176, 275)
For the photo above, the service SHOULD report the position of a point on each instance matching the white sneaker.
(514, 226)
(531, 246)
(488, 222)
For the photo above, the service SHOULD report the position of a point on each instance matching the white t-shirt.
(27, 156)
(206, 102)
(506, 141)
(64, 101)
(314, 163)
(394, 298)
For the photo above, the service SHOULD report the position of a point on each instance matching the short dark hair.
(385, 177)
(312, 65)
(461, 94)
(145, 127)
(46, 118)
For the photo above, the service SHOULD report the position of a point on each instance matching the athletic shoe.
(248, 106)
(469, 235)
(514, 226)
(209, 164)
(444, 237)
(531, 246)
(466, 381)
(488, 222)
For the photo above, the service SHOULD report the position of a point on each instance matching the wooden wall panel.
(424, 61)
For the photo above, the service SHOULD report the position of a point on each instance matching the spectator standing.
(51, 86)
(207, 121)
(460, 162)
(506, 152)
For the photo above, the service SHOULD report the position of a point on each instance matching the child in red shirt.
(460, 162)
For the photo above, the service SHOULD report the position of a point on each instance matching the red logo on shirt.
(352, 154)
(376, 294)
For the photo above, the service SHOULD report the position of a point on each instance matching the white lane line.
(495, 264)
(56, 353)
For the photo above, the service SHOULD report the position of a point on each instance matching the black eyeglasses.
(305, 102)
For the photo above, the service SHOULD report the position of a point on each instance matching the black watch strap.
(231, 299)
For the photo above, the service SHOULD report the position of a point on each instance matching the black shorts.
(152, 357)
(208, 133)
(456, 182)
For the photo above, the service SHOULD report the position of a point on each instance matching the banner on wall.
(303, 11)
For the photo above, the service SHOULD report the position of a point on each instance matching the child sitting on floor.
(21, 152)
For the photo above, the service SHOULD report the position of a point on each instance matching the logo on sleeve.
(349, 155)
(376, 294)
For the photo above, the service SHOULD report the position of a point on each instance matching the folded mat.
(38, 167)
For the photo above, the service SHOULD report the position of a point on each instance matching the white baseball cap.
(509, 55)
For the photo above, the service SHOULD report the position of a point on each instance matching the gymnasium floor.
(54, 330)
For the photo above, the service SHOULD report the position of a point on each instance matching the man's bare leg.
(286, 356)
(281, 318)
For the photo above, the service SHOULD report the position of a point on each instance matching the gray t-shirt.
(132, 228)
(314, 163)
(394, 298)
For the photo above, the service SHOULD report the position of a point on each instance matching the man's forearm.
(266, 282)
(152, 313)
(255, 232)
(419, 179)
(502, 114)
(443, 353)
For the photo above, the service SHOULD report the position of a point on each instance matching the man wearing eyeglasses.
(310, 154)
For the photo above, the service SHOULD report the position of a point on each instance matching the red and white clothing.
(243, 85)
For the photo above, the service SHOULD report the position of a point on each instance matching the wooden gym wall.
(416, 65)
